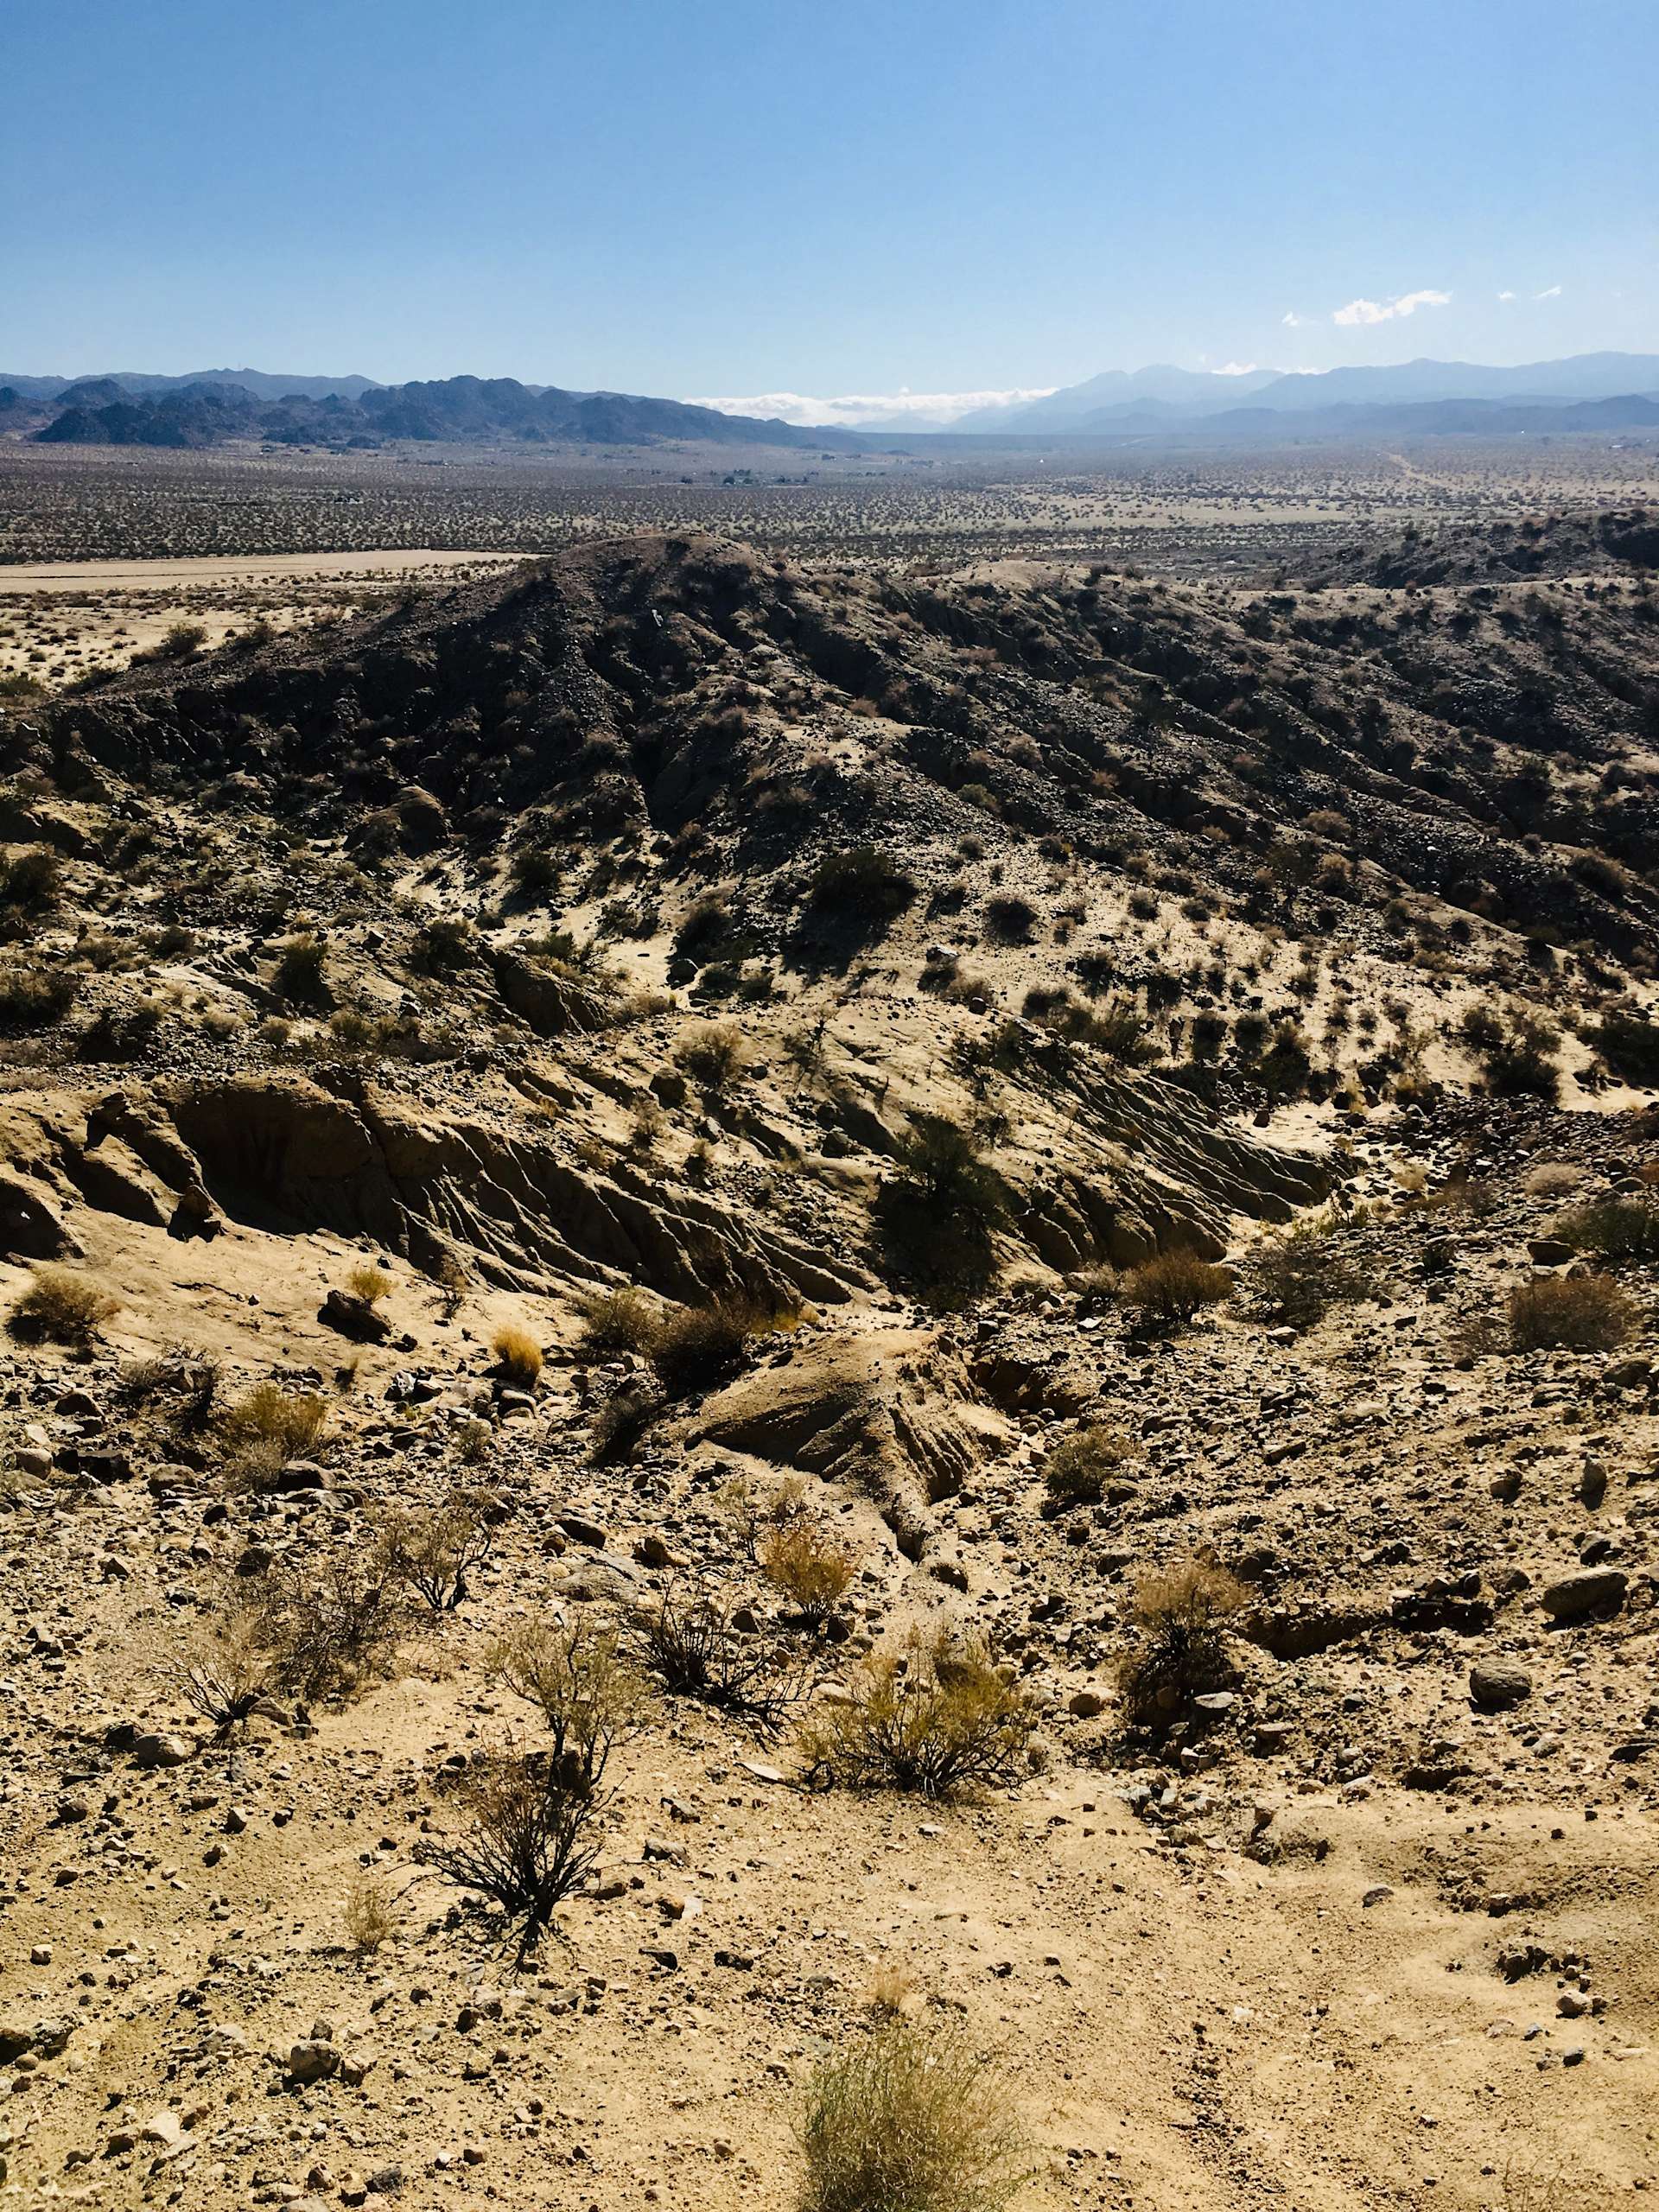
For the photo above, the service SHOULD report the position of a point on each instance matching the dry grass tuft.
(269, 1423)
(517, 1355)
(370, 1920)
(810, 1565)
(909, 2118)
(369, 1283)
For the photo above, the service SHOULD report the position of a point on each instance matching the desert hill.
(1006, 1216)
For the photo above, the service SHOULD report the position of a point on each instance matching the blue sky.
(737, 199)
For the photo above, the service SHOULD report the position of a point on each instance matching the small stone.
(313, 2061)
(1497, 1684)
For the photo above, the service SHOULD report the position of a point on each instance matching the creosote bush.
(1180, 1646)
(616, 1321)
(863, 885)
(1166, 1292)
(909, 2118)
(695, 1347)
(934, 1716)
(938, 1212)
(60, 1307)
(432, 1550)
(1616, 1229)
(1302, 1273)
(517, 1356)
(328, 1622)
(1570, 1314)
(589, 1693)
(1079, 1469)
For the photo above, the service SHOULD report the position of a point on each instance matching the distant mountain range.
(1605, 392)
(351, 413)
(1165, 397)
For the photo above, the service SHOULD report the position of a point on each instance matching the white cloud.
(1506, 296)
(1553, 292)
(1235, 369)
(1364, 312)
(1292, 320)
(852, 409)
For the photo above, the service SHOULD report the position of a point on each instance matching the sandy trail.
(110, 576)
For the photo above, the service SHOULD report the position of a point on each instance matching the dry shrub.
(369, 1283)
(695, 1648)
(60, 1307)
(590, 1692)
(266, 1424)
(755, 1514)
(433, 1549)
(714, 1056)
(223, 1671)
(1302, 1273)
(517, 1356)
(1077, 1470)
(369, 1918)
(698, 1346)
(1616, 1229)
(810, 1565)
(935, 1717)
(909, 2118)
(1570, 1312)
(328, 1623)
(531, 1839)
(618, 1321)
(1553, 1179)
(1167, 1291)
(1180, 1650)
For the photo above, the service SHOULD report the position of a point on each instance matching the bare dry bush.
(755, 1514)
(618, 1321)
(695, 1648)
(909, 2118)
(1079, 1469)
(530, 1837)
(223, 1671)
(328, 1623)
(698, 1346)
(934, 1716)
(1167, 1291)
